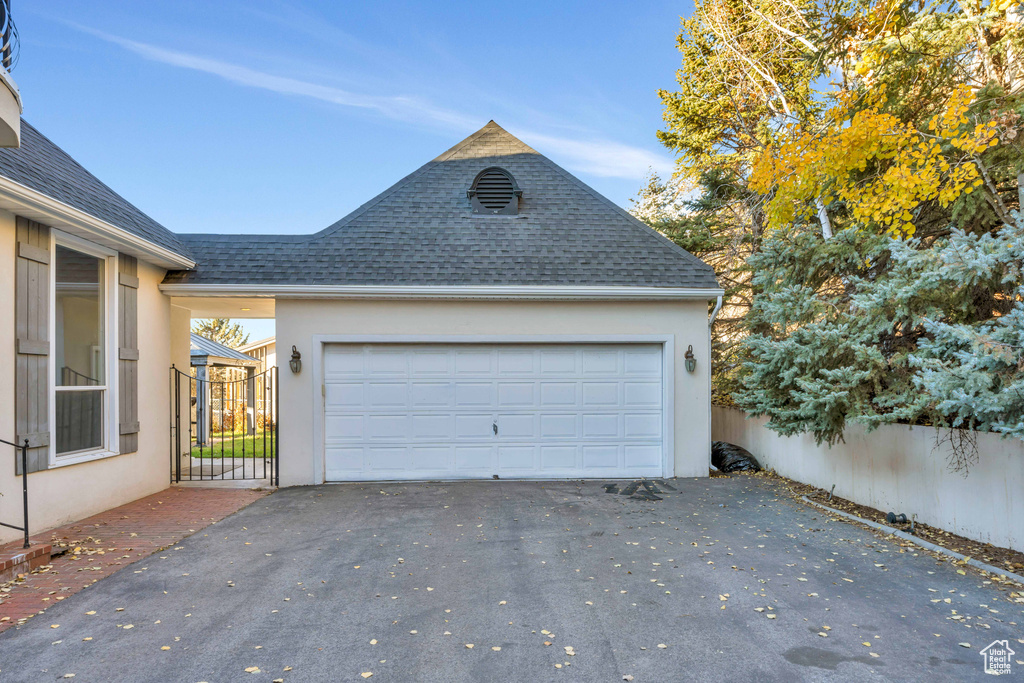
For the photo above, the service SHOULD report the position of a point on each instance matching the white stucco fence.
(899, 468)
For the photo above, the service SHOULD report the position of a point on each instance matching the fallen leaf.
(366, 674)
(662, 646)
(964, 644)
(496, 648)
(373, 641)
(252, 670)
(469, 646)
(166, 647)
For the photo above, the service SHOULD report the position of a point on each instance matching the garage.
(470, 411)
(487, 315)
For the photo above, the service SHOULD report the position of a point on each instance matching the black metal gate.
(224, 427)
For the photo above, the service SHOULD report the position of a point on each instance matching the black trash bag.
(729, 457)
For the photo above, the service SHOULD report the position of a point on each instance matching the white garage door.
(473, 411)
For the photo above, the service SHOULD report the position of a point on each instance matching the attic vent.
(495, 192)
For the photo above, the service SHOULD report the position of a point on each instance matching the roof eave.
(32, 204)
(535, 292)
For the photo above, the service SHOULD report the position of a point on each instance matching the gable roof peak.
(491, 140)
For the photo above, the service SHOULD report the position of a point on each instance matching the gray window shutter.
(32, 340)
(128, 352)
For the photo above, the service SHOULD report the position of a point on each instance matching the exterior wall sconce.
(296, 362)
(691, 362)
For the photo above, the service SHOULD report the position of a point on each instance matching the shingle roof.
(201, 347)
(422, 231)
(43, 166)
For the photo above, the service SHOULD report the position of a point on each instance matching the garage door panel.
(433, 427)
(512, 394)
(601, 425)
(429, 411)
(469, 394)
(559, 458)
(517, 426)
(430, 395)
(559, 426)
(517, 458)
(563, 362)
(600, 393)
(475, 458)
(599, 362)
(344, 395)
(471, 362)
(642, 457)
(387, 395)
(387, 426)
(642, 362)
(388, 458)
(348, 361)
(391, 362)
(474, 426)
(638, 394)
(642, 425)
(513, 362)
(601, 457)
(432, 458)
(343, 463)
(558, 394)
(430, 362)
(344, 427)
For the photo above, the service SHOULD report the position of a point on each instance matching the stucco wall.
(899, 468)
(64, 494)
(298, 321)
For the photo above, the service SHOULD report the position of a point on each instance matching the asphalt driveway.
(723, 579)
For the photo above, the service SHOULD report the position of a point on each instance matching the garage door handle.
(495, 426)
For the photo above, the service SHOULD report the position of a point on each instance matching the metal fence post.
(24, 486)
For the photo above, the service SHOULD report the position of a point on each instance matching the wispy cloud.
(597, 157)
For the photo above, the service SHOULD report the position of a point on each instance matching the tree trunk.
(826, 222)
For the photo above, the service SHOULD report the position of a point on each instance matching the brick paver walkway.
(110, 541)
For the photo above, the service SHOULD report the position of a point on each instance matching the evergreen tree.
(222, 331)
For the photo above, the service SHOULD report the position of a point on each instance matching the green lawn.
(233, 447)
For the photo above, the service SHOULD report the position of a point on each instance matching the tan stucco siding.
(63, 494)
(299, 321)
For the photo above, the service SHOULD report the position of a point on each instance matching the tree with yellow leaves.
(875, 144)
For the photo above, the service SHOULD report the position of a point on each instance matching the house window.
(82, 302)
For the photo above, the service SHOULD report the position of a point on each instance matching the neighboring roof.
(422, 231)
(203, 350)
(257, 344)
(44, 167)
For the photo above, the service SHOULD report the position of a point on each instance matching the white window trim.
(111, 431)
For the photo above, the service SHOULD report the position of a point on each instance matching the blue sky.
(284, 116)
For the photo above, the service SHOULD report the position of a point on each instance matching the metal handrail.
(24, 487)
